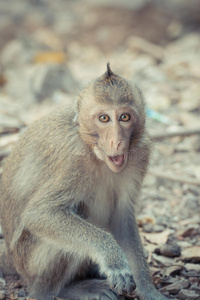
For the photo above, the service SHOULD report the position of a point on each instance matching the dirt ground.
(50, 49)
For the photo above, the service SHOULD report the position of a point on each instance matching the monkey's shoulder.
(48, 145)
(56, 123)
(55, 131)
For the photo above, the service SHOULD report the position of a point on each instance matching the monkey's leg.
(124, 228)
(51, 269)
(5, 262)
(71, 234)
(43, 288)
(91, 289)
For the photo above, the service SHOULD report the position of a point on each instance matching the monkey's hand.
(121, 281)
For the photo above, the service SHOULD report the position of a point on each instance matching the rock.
(8, 140)
(2, 295)
(196, 143)
(50, 78)
(137, 4)
(175, 287)
(186, 95)
(168, 250)
(140, 45)
(22, 293)
(48, 38)
(2, 281)
(34, 83)
(174, 30)
(1, 236)
(191, 230)
(13, 296)
(153, 228)
(195, 287)
(1, 271)
(158, 101)
(18, 52)
(9, 124)
(188, 43)
(190, 273)
(3, 154)
(188, 295)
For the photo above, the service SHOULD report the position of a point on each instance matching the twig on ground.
(187, 132)
(175, 178)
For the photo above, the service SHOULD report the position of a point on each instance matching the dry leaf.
(195, 267)
(175, 287)
(191, 253)
(164, 261)
(50, 57)
(172, 270)
(188, 295)
(145, 220)
(13, 296)
(158, 238)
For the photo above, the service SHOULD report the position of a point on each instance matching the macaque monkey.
(68, 196)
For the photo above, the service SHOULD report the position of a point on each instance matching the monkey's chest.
(97, 206)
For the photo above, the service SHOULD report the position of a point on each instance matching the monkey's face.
(111, 118)
(113, 127)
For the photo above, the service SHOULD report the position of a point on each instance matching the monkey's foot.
(94, 289)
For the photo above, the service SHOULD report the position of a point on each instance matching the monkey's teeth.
(118, 159)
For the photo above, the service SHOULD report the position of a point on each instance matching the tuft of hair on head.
(109, 73)
(108, 76)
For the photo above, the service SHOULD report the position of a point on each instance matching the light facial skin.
(114, 126)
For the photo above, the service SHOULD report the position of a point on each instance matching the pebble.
(175, 287)
(21, 293)
(140, 45)
(188, 295)
(169, 250)
(2, 295)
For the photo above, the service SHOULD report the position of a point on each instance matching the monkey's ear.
(75, 119)
(76, 114)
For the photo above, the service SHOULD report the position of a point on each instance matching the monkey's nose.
(120, 145)
(117, 145)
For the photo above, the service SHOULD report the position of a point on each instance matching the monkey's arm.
(125, 230)
(65, 229)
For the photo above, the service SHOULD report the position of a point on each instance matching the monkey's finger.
(130, 287)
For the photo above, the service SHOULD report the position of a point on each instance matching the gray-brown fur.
(66, 216)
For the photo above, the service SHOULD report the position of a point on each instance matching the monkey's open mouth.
(117, 160)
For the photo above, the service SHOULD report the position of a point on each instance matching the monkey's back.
(45, 153)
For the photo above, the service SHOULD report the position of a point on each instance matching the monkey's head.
(111, 118)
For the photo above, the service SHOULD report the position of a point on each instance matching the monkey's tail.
(6, 265)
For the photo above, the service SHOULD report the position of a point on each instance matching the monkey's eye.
(125, 118)
(104, 118)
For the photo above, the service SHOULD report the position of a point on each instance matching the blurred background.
(50, 49)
